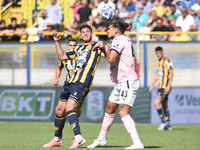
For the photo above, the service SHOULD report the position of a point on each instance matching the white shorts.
(125, 92)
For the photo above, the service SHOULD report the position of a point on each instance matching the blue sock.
(59, 123)
(74, 122)
(160, 113)
(167, 118)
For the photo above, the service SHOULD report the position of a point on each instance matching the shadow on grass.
(153, 146)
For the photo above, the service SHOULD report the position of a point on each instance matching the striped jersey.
(163, 67)
(86, 63)
(69, 66)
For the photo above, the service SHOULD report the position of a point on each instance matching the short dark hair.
(120, 26)
(12, 19)
(2, 21)
(71, 40)
(159, 19)
(159, 48)
(85, 26)
(172, 5)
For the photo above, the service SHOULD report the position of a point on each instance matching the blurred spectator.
(72, 27)
(123, 14)
(185, 21)
(159, 9)
(128, 21)
(76, 4)
(146, 4)
(131, 8)
(151, 21)
(195, 37)
(3, 3)
(174, 14)
(102, 26)
(42, 21)
(84, 13)
(193, 10)
(179, 37)
(22, 32)
(159, 27)
(187, 4)
(142, 19)
(120, 4)
(54, 12)
(2, 29)
(94, 10)
(11, 29)
(197, 20)
(50, 29)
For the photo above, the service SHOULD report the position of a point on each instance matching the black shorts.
(74, 91)
(161, 95)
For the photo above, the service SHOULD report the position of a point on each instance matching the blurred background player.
(164, 75)
(59, 120)
(81, 81)
(121, 57)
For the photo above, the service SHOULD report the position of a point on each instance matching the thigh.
(78, 92)
(65, 93)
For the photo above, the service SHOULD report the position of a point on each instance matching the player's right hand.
(150, 89)
(56, 82)
(56, 36)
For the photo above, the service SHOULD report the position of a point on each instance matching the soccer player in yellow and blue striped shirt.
(164, 75)
(81, 81)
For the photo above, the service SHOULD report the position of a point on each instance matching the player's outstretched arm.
(154, 81)
(58, 73)
(61, 54)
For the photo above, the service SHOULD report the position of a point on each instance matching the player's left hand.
(56, 36)
(167, 90)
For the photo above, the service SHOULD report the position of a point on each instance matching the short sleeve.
(117, 45)
(134, 20)
(61, 65)
(71, 54)
(169, 65)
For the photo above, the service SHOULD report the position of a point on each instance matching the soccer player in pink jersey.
(121, 57)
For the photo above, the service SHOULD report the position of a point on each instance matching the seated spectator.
(76, 4)
(84, 13)
(174, 14)
(71, 27)
(151, 21)
(187, 4)
(197, 20)
(131, 8)
(185, 21)
(94, 10)
(193, 10)
(11, 29)
(54, 12)
(159, 27)
(50, 29)
(159, 9)
(105, 3)
(42, 21)
(22, 32)
(142, 19)
(102, 26)
(120, 4)
(180, 37)
(124, 13)
(2, 29)
(195, 37)
(146, 4)
(129, 29)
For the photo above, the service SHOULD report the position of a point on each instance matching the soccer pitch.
(32, 135)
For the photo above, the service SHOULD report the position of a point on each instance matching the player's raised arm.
(61, 54)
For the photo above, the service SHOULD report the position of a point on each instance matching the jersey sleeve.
(169, 65)
(71, 54)
(61, 64)
(117, 45)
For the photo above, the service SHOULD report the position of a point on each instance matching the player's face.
(111, 32)
(71, 45)
(159, 54)
(86, 35)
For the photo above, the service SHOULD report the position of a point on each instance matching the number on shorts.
(124, 94)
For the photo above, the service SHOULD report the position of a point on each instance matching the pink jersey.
(124, 68)
(76, 8)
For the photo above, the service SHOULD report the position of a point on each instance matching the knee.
(59, 111)
(109, 110)
(156, 104)
(122, 114)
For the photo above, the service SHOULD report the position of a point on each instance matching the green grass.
(32, 135)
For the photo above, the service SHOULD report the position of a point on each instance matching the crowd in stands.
(154, 15)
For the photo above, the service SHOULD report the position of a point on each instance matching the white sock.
(79, 136)
(57, 138)
(101, 137)
(130, 127)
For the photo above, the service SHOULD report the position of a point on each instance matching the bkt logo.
(189, 100)
(26, 104)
